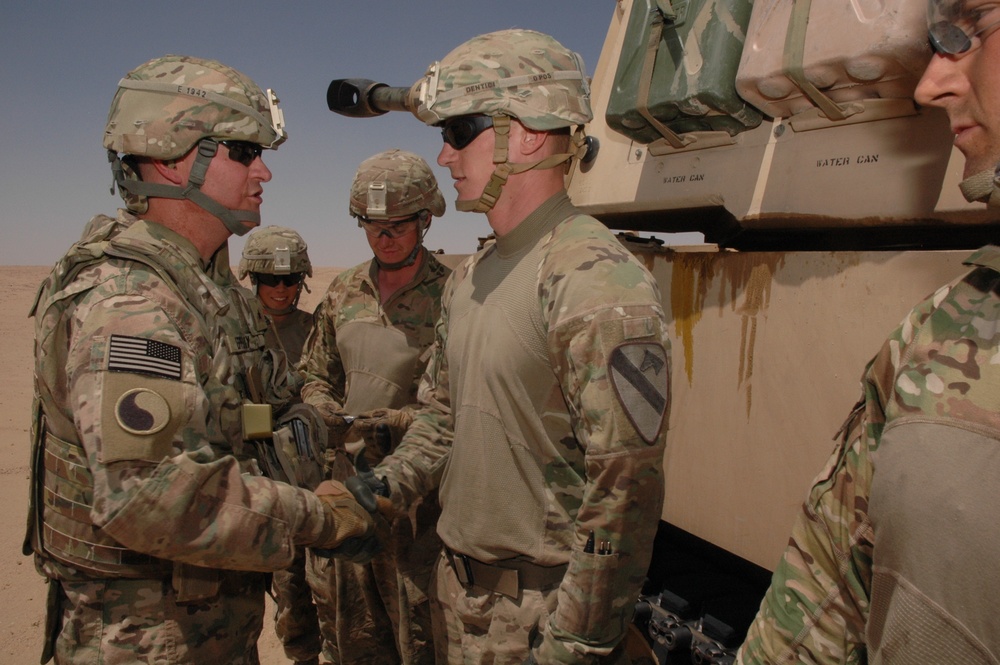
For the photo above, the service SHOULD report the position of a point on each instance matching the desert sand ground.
(22, 590)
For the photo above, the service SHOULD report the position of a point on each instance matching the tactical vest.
(59, 524)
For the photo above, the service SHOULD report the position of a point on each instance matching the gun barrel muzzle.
(362, 98)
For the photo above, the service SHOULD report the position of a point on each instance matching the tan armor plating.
(367, 386)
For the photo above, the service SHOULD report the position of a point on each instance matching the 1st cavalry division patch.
(639, 374)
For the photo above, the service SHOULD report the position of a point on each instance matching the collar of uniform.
(425, 259)
(177, 256)
(986, 257)
(544, 218)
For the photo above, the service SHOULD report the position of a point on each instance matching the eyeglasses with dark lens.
(460, 131)
(396, 229)
(267, 279)
(243, 152)
(965, 34)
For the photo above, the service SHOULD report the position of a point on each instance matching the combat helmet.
(275, 250)
(507, 74)
(396, 183)
(168, 106)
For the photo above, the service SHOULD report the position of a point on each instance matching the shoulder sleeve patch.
(139, 417)
(639, 373)
(144, 356)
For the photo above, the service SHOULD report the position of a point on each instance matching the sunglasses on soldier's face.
(396, 229)
(461, 131)
(268, 279)
(243, 152)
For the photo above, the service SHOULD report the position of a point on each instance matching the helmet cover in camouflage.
(521, 73)
(165, 106)
(395, 183)
(275, 250)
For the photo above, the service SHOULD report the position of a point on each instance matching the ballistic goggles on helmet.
(955, 28)
(462, 130)
(267, 279)
(396, 229)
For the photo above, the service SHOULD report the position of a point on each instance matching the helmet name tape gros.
(276, 122)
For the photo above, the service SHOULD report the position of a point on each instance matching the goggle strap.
(216, 98)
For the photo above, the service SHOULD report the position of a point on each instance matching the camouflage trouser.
(371, 614)
(295, 620)
(481, 626)
(114, 622)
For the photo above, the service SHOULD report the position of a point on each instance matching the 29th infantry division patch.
(640, 376)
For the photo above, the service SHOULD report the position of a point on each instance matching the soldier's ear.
(167, 170)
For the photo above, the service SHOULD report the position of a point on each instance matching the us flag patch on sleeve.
(144, 356)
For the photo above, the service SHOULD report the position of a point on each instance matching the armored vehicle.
(787, 135)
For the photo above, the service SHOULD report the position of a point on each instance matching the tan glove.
(350, 530)
(337, 423)
(382, 429)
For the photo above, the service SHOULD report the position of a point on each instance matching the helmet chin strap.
(207, 148)
(983, 186)
(491, 193)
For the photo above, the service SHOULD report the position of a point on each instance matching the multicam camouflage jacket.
(893, 558)
(364, 354)
(144, 358)
(550, 373)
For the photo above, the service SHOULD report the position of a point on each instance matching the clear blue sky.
(62, 62)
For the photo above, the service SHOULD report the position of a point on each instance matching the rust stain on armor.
(743, 281)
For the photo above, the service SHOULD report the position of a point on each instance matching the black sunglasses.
(267, 279)
(243, 152)
(460, 131)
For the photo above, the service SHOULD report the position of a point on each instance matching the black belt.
(504, 577)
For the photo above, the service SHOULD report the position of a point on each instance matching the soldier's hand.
(337, 422)
(350, 533)
(370, 491)
(392, 422)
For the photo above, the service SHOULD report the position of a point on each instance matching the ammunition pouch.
(293, 452)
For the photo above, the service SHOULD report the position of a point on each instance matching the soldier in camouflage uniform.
(893, 559)
(154, 394)
(277, 261)
(547, 392)
(365, 356)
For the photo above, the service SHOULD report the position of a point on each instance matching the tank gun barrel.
(363, 98)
